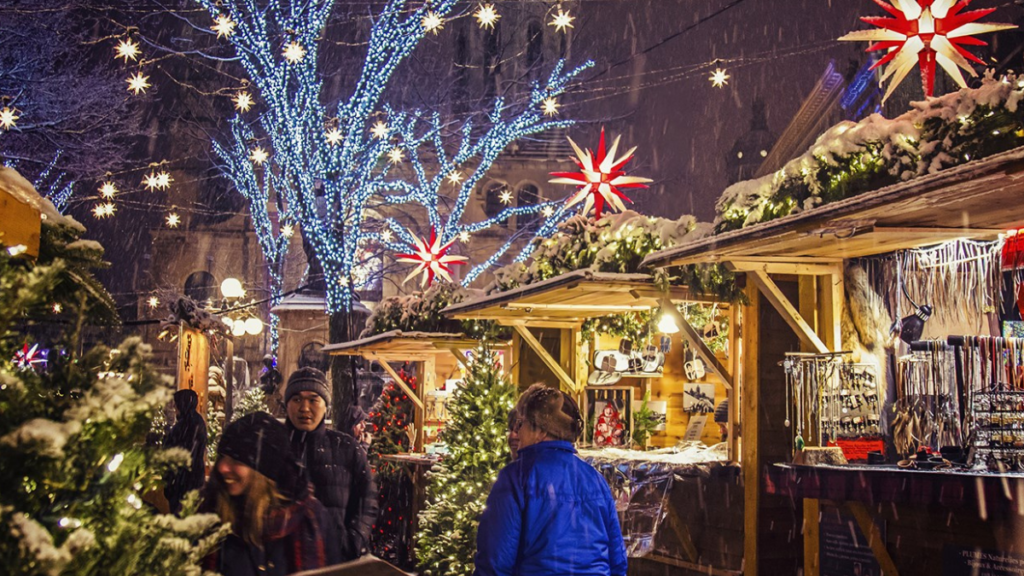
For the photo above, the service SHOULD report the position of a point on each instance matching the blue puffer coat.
(550, 513)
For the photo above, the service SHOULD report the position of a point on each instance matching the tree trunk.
(343, 380)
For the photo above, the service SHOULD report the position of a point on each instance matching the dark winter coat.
(189, 433)
(295, 539)
(550, 513)
(343, 482)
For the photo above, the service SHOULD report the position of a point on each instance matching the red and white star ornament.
(600, 178)
(30, 357)
(926, 33)
(431, 259)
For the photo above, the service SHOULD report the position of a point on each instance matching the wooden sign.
(194, 364)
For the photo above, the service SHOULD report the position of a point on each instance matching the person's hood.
(186, 401)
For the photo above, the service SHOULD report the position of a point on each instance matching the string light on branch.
(431, 259)
(719, 78)
(561, 21)
(334, 136)
(157, 180)
(925, 33)
(153, 302)
(487, 16)
(600, 177)
(173, 220)
(258, 156)
(379, 130)
(223, 26)
(396, 156)
(432, 22)
(243, 101)
(108, 190)
(550, 106)
(127, 49)
(138, 83)
(505, 197)
(8, 118)
(294, 52)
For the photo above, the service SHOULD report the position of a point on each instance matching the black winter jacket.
(342, 481)
(188, 432)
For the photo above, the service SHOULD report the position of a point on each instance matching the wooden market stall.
(908, 521)
(702, 507)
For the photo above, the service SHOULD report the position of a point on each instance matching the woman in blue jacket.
(550, 513)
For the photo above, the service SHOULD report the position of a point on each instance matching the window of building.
(201, 286)
(492, 200)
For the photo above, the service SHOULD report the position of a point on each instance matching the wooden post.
(735, 395)
(789, 313)
(555, 367)
(751, 462)
(809, 310)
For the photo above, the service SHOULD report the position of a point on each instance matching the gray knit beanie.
(308, 380)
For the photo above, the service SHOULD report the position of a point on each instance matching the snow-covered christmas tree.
(475, 434)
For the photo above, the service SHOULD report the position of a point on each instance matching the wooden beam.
(691, 336)
(545, 357)
(401, 383)
(750, 406)
(603, 308)
(789, 312)
(812, 537)
(518, 321)
(674, 293)
(690, 566)
(780, 259)
(460, 357)
(803, 269)
(874, 535)
(682, 533)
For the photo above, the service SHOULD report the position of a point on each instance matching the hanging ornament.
(153, 302)
(487, 16)
(8, 117)
(550, 106)
(505, 197)
(127, 49)
(157, 180)
(719, 78)
(386, 235)
(33, 357)
(396, 156)
(431, 259)
(108, 190)
(455, 177)
(287, 230)
(223, 26)
(600, 177)
(173, 220)
(101, 211)
(561, 21)
(258, 155)
(138, 83)
(243, 101)
(432, 22)
(925, 33)
(379, 130)
(293, 52)
(333, 136)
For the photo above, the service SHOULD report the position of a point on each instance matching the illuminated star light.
(57, 308)
(101, 211)
(432, 22)
(287, 230)
(108, 190)
(505, 197)
(8, 118)
(925, 33)
(173, 220)
(547, 211)
(431, 259)
(396, 156)
(379, 130)
(600, 177)
(224, 26)
(294, 52)
(30, 357)
(334, 136)
(127, 49)
(386, 236)
(487, 16)
(243, 101)
(138, 83)
(153, 301)
(561, 21)
(455, 177)
(550, 106)
(258, 156)
(157, 181)
(719, 78)
(464, 237)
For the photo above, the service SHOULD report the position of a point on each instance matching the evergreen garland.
(475, 434)
(421, 312)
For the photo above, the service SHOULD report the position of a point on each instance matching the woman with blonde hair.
(258, 488)
(549, 513)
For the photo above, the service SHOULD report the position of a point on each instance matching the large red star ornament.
(431, 259)
(600, 177)
(925, 32)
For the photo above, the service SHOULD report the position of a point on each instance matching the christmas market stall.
(882, 357)
(649, 365)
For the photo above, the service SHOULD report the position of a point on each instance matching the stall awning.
(402, 346)
(569, 299)
(975, 200)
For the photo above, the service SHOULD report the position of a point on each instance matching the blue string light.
(335, 189)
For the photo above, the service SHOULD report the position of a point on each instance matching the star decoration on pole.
(223, 26)
(719, 78)
(550, 106)
(432, 22)
(173, 220)
(379, 130)
(561, 21)
(127, 49)
(293, 52)
(600, 177)
(925, 33)
(431, 259)
(333, 136)
(8, 117)
(487, 16)
(157, 181)
(258, 155)
(243, 101)
(108, 190)
(138, 83)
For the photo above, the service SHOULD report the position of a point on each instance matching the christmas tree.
(475, 434)
(389, 421)
(73, 428)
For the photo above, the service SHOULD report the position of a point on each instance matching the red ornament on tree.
(600, 177)
(926, 33)
(431, 258)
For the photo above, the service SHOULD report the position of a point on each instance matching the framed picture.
(659, 410)
(609, 413)
(699, 398)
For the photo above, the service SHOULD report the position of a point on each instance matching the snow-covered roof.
(399, 342)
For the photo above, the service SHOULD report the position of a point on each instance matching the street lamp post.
(232, 291)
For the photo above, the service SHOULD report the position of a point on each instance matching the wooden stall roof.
(402, 345)
(570, 299)
(976, 200)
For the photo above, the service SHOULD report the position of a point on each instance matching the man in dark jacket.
(334, 461)
(189, 433)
